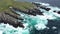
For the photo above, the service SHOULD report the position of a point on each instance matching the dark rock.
(26, 12)
(10, 20)
(36, 4)
(58, 12)
(47, 9)
(13, 11)
(33, 12)
(54, 11)
(15, 16)
(41, 6)
(37, 11)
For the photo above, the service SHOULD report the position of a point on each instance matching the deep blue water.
(36, 22)
(52, 2)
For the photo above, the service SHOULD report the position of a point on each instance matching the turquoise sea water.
(32, 23)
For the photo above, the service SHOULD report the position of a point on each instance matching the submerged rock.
(58, 12)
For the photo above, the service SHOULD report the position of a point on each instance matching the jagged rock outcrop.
(42, 6)
(10, 19)
(14, 16)
(34, 11)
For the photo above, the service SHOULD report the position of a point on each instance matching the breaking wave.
(31, 22)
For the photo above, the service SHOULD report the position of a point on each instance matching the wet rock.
(19, 10)
(33, 12)
(37, 4)
(10, 20)
(15, 16)
(13, 11)
(37, 11)
(58, 12)
(42, 5)
(54, 11)
(47, 9)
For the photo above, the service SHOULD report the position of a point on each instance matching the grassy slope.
(4, 5)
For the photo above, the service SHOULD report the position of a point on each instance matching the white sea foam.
(38, 21)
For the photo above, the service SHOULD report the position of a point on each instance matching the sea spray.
(31, 23)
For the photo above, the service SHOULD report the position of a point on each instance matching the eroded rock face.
(14, 16)
(33, 12)
(10, 19)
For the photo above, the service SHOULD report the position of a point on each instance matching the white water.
(39, 22)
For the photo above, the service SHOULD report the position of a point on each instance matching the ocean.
(51, 2)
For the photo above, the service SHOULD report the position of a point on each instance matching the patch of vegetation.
(4, 5)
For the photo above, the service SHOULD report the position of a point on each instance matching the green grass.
(4, 5)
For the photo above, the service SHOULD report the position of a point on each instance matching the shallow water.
(33, 24)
